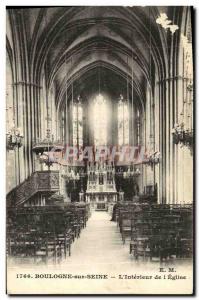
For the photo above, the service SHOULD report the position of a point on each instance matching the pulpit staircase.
(38, 182)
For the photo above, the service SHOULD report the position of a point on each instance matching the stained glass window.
(123, 122)
(100, 121)
(77, 124)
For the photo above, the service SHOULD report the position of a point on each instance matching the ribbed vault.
(67, 41)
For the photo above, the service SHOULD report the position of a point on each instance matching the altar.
(101, 191)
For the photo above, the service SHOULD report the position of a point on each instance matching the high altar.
(101, 191)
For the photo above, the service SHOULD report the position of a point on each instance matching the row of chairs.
(44, 233)
(157, 230)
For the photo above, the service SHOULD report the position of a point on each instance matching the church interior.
(99, 133)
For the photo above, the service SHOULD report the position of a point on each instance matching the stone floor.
(100, 243)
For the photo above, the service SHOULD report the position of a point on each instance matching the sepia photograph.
(100, 150)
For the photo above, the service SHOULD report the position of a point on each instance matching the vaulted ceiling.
(73, 43)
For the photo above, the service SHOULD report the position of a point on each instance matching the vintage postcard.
(99, 150)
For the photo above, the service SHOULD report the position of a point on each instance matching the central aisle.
(100, 242)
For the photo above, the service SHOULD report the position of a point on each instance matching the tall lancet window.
(77, 123)
(123, 122)
(100, 121)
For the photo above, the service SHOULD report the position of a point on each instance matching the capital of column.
(179, 77)
(27, 84)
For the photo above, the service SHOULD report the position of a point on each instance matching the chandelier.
(182, 136)
(152, 159)
(14, 138)
(131, 172)
(72, 174)
(183, 132)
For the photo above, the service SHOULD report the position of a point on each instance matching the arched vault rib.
(50, 39)
(97, 64)
(110, 46)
